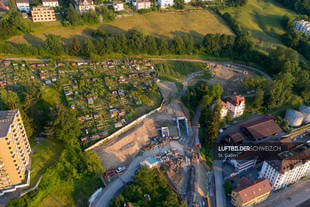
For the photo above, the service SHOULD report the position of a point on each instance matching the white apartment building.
(243, 163)
(50, 3)
(118, 6)
(291, 166)
(236, 106)
(23, 5)
(141, 4)
(165, 3)
(84, 5)
(302, 26)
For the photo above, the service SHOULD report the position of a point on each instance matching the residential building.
(23, 5)
(165, 3)
(261, 128)
(287, 167)
(14, 149)
(302, 26)
(236, 105)
(244, 162)
(50, 3)
(43, 14)
(118, 6)
(249, 193)
(84, 5)
(224, 110)
(142, 4)
(4, 5)
(187, 1)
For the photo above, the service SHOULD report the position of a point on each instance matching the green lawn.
(262, 18)
(196, 23)
(45, 154)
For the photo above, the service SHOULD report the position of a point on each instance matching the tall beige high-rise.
(14, 149)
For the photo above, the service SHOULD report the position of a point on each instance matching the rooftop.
(22, 1)
(6, 118)
(249, 190)
(260, 128)
(288, 160)
(236, 100)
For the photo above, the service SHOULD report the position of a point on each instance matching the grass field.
(197, 23)
(262, 18)
(45, 154)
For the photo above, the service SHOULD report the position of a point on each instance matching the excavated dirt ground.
(229, 79)
(122, 149)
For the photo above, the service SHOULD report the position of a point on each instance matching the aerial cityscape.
(154, 103)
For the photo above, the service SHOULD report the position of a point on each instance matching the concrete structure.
(287, 167)
(84, 5)
(43, 14)
(118, 6)
(23, 5)
(165, 3)
(14, 150)
(50, 3)
(305, 110)
(151, 162)
(236, 105)
(142, 4)
(165, 132)
(184, 121)
(250, 193)
(294, 118)
(302, 26)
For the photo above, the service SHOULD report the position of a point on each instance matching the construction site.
(168, 124)
(168, 141)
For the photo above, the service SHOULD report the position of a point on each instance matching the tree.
(66, 127)
(228, 187)
(73, 17)
(215, 91)
(281, 89)
(259, 98)
(179, 4)
(53, 45)
(75, 47)
(88, 48)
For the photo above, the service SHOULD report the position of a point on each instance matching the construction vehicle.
(208, 201)
(207, 66)
(195, 156)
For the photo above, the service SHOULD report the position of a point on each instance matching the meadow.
(262, 18)
(193, 22)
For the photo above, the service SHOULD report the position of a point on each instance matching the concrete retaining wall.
(125, 128)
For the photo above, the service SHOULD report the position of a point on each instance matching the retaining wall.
(125, 128)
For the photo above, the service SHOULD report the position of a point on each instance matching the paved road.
(290, 196)
(114, 187)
